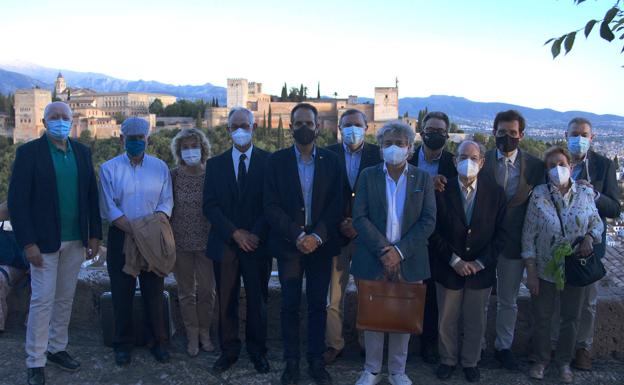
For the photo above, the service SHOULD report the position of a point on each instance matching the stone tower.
(386, 103)
(29, 107)
(237, 93)
(60, 85)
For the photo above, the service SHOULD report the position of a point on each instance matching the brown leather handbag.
(391, 306)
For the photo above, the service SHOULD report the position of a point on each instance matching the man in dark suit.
(598, 172)
(517, 172)
(467, 240)
(233, 190)
(303, 206)
(354, 155)
(53, 204)
(432, 158)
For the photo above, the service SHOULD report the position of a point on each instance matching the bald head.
(56, 111)
(469, 147)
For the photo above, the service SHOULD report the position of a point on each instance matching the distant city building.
(5, 128)
(93, 111)
(241, 92)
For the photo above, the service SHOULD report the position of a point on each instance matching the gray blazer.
(369, 219)
(532, 173)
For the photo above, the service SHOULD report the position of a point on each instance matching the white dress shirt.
(134, 191)
(236, 159)
(395, 197)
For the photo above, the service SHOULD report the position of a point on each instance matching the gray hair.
(400, 128)
(176, 144)
(472, 142)
(238, 109)
(49, 107)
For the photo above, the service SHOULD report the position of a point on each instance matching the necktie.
(242, 172)
(508, 164)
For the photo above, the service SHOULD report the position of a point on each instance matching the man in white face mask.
(467, 241)
(355, 155)
(233, 203)
(394, 215)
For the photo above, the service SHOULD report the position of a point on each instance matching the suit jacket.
(370, 157)
(446, 166)
(532, 173)
(370, 216)
(284, 206)
(34, 201)
(482, 238)
(602, 177)
(227, 209)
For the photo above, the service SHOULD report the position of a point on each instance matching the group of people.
(461, 223)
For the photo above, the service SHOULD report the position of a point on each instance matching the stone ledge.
(608, 339)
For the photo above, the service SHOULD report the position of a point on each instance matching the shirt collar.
(236, 152)
(385, 169)
(54, 148)
(348, 150)
(126, 157)
(472, 186)
(421, 156)
(512, 157)
(298, 153)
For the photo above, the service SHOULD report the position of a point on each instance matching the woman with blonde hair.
(193, 270)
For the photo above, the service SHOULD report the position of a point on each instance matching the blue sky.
(482, 50)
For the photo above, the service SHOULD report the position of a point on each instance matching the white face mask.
(241, 137)
(191, 156)
(559, 175)
(394, 154)
(353, 135)
(468, 168)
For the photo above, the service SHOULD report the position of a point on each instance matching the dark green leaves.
(605, 31)
(569, 41)
(555, 49)
(588, 27)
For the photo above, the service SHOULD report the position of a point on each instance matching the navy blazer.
(369, 219)
(482, 238)
(34, 201)
(371, 156)
(227, 210)
(284, 207)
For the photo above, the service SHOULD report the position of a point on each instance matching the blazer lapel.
(49, 174)
(253, 159)
(80, 167)
(455, 198)
(523, 187)
(408, 209)
(591, 167)
(294, 175)
(480, 202)
(229, 169)
(380, 188)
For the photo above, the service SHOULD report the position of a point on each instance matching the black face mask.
(506, 143)
(434, 140)
(304, 135)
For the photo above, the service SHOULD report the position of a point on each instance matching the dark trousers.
(317, 270)
(429, 336)
(255, 270)
(123, 288)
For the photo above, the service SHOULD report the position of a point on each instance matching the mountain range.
(15, 75)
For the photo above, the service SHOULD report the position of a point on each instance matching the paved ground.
(98, 367)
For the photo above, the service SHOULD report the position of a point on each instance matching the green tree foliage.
(156, 107)
(284, 95)
(610, 25)
(318, 90)
(186, 108)
(421, 118)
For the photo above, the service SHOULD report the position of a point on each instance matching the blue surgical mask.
(353, 135)
(59, 129)
(135, 147)
(394, 154)
(578, 145)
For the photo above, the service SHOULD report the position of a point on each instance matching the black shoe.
(223, 363)
(122, 358)
(317, 371)
(36, 376)
(472, 374)
(444, 371)
(506, 358)
(260, 362)
(160, 353)
(64, 361)
(290, 376)
(429, 354)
